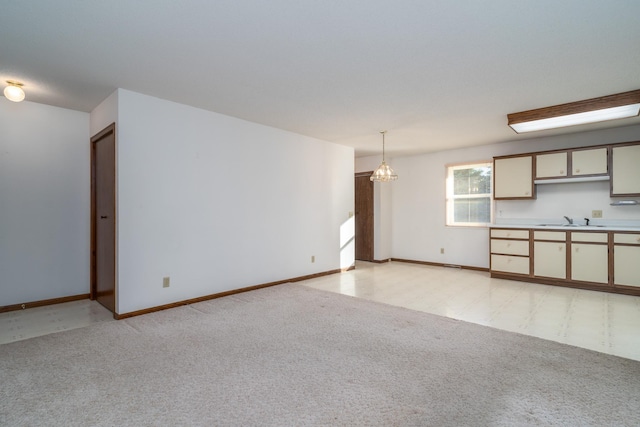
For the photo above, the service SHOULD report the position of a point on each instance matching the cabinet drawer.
(511, 247)
(629, 239)
(589, 237)
(510, 264)
(510, 233)
(559, 236)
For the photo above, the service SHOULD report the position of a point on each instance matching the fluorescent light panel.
(578, 119)
(619, 106)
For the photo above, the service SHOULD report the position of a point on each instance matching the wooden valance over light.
(610, 107)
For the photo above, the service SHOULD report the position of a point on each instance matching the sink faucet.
(568, 219)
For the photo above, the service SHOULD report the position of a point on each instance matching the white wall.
(418, 199)
(104, 114)
(44, 202)
(219, 203)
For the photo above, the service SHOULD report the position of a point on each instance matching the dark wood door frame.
(364, 225)
(109, 131)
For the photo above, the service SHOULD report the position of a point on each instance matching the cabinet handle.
(577, 249)
(526, 193)
(577, 170)
(560, 248)
(508, 245)
(561, 171)
(638, 239)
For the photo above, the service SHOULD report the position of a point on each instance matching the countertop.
(562, 227)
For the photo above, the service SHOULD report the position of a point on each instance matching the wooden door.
(103, 219)
(364, 216)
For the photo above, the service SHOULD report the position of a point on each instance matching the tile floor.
(607, 323)
(33, 322)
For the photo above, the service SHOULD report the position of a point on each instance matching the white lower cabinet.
(626, 259)
(626, 265)
(590, 262)
(590, 259)
(510, 251)
(550, 259)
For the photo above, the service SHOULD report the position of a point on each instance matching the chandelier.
(384, 173)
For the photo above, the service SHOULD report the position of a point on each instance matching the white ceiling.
(435, 74)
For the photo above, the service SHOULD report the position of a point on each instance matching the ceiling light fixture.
(610, 107)
(14, 91)
(384, 173)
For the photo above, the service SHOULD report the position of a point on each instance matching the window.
(469, 194)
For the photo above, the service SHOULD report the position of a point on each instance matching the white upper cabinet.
(513, 178)
(572, 163)
(551, 165)
(589, 162)
(625, 170)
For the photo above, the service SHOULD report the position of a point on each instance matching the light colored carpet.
(294, 356)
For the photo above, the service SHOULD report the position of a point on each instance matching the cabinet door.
(550, 259)
(589, 162)
(590, 262)
(625, 170)
(513, 178)
(626, 268)
(551, 165)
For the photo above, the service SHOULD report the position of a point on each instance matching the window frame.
(450, 197)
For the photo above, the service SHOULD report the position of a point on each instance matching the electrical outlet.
(441, 250)
(596, 214)
(166, 282)
(313, 258)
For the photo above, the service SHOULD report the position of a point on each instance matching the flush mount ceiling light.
(384, 173)
(14, 91)
(618, 106)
